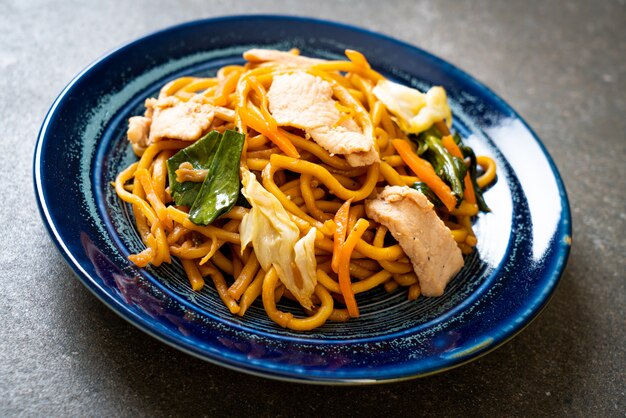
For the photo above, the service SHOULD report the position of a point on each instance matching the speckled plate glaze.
(523, 243)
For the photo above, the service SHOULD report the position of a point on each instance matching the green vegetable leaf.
(426, 191)
(419, 141)
(448, 167)
(221, 187)
(432, 131)
(200, 154)
(468, 152)
(219, 154)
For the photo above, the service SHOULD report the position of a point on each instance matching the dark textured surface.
(562, 65)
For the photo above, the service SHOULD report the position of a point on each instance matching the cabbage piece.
(275, 239)
(304, 258)
(414, 110)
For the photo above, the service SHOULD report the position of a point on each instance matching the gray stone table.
(561, 64)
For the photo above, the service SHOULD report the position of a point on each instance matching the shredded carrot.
(451, 146)
(453, 149)
(277, 137)
(470, 195)
(345, 284)
(425, 172)
(341, 222)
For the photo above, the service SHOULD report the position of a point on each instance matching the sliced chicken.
(175, 119)
(425, 239)
(306, 102)
(360, 159)
(138, 131)
(281, 57)
(345, 138)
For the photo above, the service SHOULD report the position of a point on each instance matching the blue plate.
(523, 243)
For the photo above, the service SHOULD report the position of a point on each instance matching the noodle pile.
(316, 189)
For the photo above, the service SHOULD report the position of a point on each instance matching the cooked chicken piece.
(306, 102)
(361, 159)
(345, 138)
(410, 217)
(281, 57)
(175, 119)
(138, 131)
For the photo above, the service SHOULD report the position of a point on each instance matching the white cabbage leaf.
(276, 240)
(415, 111)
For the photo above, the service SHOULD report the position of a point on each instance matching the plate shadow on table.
(541, 367)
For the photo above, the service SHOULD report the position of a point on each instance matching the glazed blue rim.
(285, 372)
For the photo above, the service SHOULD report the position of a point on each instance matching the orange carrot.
(425, 172)
(277, 137)
(341, 222)
(451, 146)
(345, 284)
(453, 149)
(470, 195)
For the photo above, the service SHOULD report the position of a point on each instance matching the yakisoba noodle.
(353, 253)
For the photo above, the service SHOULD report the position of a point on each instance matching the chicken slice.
(345, 138)
(306, 102)
(410, 217)
(175, 119)
(302, 100)
(281, 57)
(361, 159)
(138, 131)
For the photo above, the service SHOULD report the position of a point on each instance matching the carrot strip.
(345, 284)
(453, 149)
(277, 137)
(425, 172)
(470, 195)
(341, 222)
(451, 146)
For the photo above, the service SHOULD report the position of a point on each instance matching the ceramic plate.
(523, 243)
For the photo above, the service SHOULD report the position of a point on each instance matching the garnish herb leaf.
(221, 187)
(430, 195)
(421, 144)
(200, 154)
(219, 154)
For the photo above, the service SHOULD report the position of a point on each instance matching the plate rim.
(552, 277)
